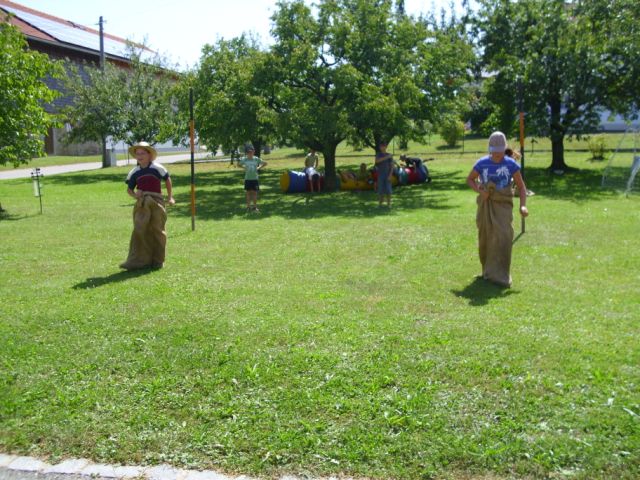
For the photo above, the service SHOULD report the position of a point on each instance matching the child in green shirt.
(251, 165)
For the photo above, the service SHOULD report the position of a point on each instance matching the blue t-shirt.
(384, 167)
(500, 173)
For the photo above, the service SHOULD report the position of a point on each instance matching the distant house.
(64, 39)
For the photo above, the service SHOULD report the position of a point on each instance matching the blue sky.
(179, 28)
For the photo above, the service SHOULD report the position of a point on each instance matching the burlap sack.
(495, 234)
(149, 239)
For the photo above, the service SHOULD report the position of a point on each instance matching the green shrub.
(597, 146)
(451, 130)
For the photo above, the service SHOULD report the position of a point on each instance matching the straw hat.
(144, 146)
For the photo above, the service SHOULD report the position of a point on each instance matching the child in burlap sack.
(144, 184)
(492, 177)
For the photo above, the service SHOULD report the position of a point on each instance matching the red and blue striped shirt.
(147, 179)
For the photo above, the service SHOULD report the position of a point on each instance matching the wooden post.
(521, 108)
(193, 176)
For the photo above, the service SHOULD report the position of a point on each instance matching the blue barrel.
(293, 182)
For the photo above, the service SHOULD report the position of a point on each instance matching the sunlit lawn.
(324, 336)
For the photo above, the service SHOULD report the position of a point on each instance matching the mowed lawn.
(324, 336)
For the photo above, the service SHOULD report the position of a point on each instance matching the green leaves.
(346, 69)
(570, 58)
(233, 95)
(23, 119)
(125, 104)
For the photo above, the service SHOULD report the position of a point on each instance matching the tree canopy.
(23, 119)
(404, 72)
(355, 70)
(129, 104)
(311, 106)
(232, 98)
(615, 36)
(358, 70)
(570, 62)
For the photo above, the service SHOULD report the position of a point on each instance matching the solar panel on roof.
(69, 34)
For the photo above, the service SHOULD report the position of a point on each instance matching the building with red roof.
(64, 40)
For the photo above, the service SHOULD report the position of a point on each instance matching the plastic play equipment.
(352, 183)
(296, 182)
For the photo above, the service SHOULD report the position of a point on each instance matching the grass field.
(324, 336)
(436, 146)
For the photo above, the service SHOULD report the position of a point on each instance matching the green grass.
(324, 336)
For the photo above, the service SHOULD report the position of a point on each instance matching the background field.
(325, 336)
(436, 147)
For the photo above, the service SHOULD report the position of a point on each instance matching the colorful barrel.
(293, 182)
(403, 176)
(296, 182)
(353, 184)
(424, 173)
(414, 176)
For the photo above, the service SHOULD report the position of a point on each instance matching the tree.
(549, 45)
(308, 81)
(232, 98)
(129, 104)
(98, 108)
(358, 70)
(404, 72)
(615, 36)
(147, 97)
(23, 119)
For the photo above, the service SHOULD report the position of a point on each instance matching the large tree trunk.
(557, 154)
(106, 161)
(257, 145)
(557, 137)
(330, 177)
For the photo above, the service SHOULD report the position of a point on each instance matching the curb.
(85, 468)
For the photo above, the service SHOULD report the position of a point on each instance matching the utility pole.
(101, 23)
(105, 159)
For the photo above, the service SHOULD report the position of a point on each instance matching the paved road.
(78, 167)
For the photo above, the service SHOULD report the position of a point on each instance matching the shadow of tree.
(88, 177)
(479, 292)
(219, 196)
(580, 185)
(121, 276)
